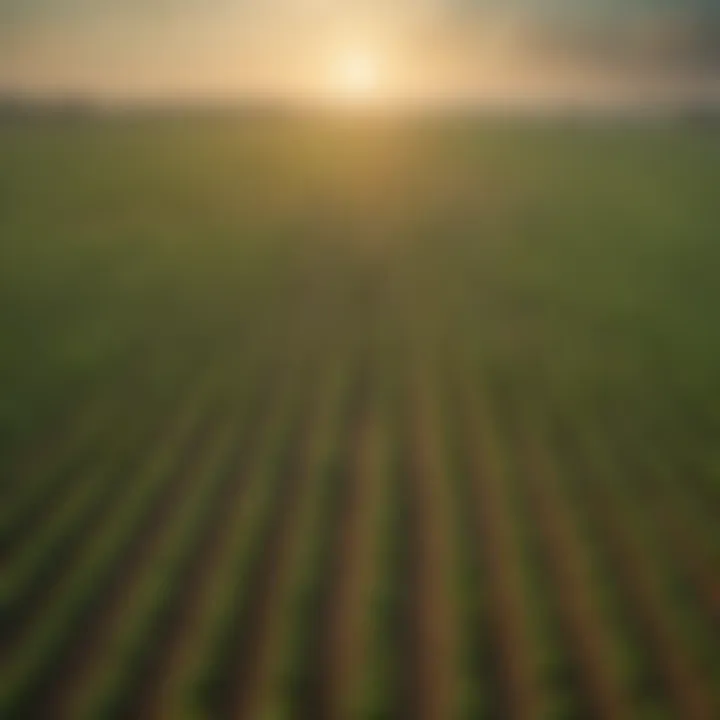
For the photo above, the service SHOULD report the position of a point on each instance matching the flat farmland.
(345, 417)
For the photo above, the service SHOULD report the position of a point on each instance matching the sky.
(388, 48)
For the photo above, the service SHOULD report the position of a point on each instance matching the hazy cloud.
(242, 44)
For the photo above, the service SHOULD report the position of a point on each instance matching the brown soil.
(520, 691)
(688, 691)
(571, 574)
(60, 683)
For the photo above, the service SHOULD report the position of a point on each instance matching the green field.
(359, 418)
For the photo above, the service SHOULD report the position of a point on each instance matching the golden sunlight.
(357, 75)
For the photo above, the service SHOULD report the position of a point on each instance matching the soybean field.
(359, 417)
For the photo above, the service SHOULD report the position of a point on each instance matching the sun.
(357, 75)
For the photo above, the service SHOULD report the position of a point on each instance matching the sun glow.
(357, 75)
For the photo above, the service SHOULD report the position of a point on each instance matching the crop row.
(369, 529)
